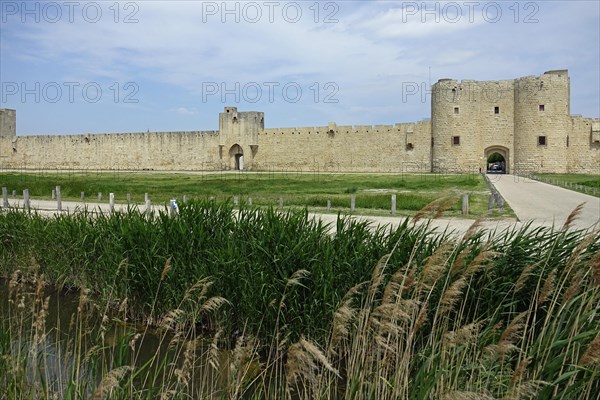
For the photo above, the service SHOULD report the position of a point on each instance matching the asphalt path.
(545, 204)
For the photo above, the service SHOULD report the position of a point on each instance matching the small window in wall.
(542, 141)
(409, 146)
(541, 107)
(456, 110)
(456, 140)
(567, 141)
(496, 110)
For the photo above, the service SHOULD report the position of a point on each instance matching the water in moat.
(59, 341)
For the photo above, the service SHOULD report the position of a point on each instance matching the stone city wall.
(583, 156)
(137, 151)
(380, 148)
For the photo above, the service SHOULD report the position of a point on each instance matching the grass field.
(373, 192)
(588, 183)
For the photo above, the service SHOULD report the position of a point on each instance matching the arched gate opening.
(236, 157)
(496, 160)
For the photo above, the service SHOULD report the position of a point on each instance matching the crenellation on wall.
(383, 127)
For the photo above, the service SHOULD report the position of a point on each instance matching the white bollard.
(26, 199)
(58, 199)
(111, 202)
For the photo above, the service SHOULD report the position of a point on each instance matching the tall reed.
(262, 304)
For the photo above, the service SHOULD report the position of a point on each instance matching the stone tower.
(470, 121)
(526, 122)
(238, 137)
(542, 117)
(8, 122)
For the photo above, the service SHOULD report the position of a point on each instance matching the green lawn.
(585, 183)
(373, 192)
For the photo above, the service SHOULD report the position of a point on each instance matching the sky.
(132, 66)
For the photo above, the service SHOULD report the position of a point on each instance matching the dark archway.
(496, 160)
(236, 157)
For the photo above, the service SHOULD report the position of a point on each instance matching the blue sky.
(107, 66)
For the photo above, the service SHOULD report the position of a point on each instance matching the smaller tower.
(238, 137)
(8, 122)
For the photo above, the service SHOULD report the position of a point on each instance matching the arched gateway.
(236, 157)
(497, 159)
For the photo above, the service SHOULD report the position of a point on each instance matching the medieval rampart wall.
(583, 156)
(379, 148)
(151, 150)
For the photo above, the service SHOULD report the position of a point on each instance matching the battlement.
(118, 135)
(344, 129)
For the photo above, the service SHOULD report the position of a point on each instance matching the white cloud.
(185, 111)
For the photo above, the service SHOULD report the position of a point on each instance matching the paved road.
(546, 204)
